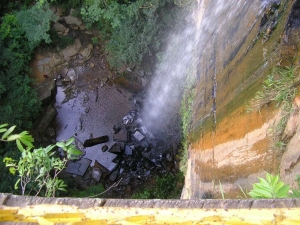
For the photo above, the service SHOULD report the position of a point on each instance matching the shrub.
(278, 87)
(18, 102)
(167, 186)
(271, 187)
(37, 168)
(133, 29)
(35, 22)
(89, 192)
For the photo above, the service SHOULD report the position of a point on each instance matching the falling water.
(185, 47)
(164, 96)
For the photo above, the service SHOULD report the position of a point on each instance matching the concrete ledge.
(28, 209)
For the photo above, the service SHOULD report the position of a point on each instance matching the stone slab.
(78, 167)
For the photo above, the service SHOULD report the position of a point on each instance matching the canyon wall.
(229, 147)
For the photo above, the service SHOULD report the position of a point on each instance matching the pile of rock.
(138, 157)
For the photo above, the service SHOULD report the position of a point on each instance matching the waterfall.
(201, 36)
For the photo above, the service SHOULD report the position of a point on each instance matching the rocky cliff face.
(228, 144)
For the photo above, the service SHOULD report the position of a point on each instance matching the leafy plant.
(145, 194)
(60, 41)
(186, 113)
(35, 22)
(271, 187)
(67, 4)
(166, 187)
(278, 87)
(95, 40)
(18, 101)
(133, 29)
(296, 192)
(37, 168)
(88, 192)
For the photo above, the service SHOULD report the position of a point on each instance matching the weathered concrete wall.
(33, 210)
(228, 145)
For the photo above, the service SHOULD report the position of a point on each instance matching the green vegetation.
(296, 192)
(133, 30)
(89, 192)
(66, 4)
(37, 169)
(166, 187)
(35, 22)
(20, 32)
(271, 187)
(186, 113)
(279, 87)
(59, 41)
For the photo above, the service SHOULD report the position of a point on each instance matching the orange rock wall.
(230, 147)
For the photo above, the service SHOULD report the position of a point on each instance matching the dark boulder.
(104, 148)
(103, 169)
(95, 141)
(116, 148)
(113, 176)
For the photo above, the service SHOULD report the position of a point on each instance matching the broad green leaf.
(24, 133)
(51, 154)
(3, 125)
(296, 194)
(19, 145)
(70, 141)
(264, 183)
(21, 169)
(61, 145)
(265, 193)
(274, 180)
(74, 152)
(13, 137)
(278, 186)
(3, 130)
(26, 142)
(283, 192)
(7, 160)
(268, 178)
(12, 170)
(62, 189)
(8, 132)
(259, 186)
(29, 155)
(26, 136)
(49, 148)
(255, 194)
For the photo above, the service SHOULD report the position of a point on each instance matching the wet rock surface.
(103, 112)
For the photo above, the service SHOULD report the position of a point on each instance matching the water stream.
(208, 31)
(215, 33)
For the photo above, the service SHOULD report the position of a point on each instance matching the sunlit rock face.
(240, 43)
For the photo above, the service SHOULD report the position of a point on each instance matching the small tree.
(35, 22)
(38, 167)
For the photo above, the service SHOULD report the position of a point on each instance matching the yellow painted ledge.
(62, 214)
(46, 211)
